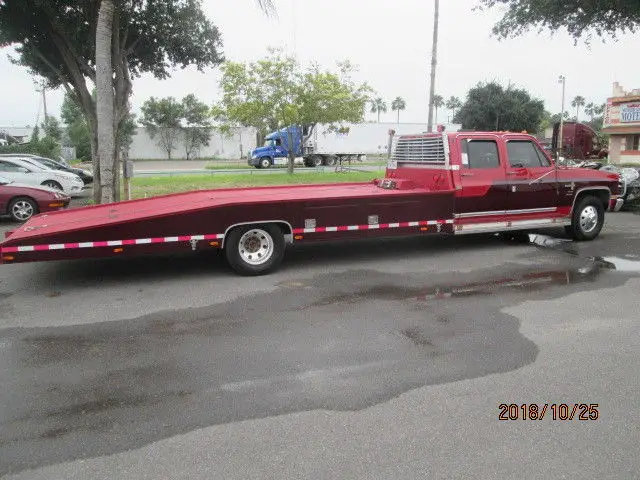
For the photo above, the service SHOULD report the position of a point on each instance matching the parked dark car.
(21, 202)
(84, 175)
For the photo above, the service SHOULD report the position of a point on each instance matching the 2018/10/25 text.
(554, 411)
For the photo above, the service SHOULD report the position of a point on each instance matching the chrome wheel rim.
(256, 247)
(265, 163)
(22, 210)
(589, 219)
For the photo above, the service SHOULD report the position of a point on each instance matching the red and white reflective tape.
(111, 243)
(215, 236)
(376, 226)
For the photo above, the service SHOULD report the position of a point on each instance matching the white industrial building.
(234, 146)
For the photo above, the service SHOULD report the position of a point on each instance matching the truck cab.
(275, 150)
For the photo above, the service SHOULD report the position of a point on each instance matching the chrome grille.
(420, 149)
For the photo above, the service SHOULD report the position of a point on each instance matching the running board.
(492, 227)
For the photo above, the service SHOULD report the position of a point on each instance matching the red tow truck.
(444, 183)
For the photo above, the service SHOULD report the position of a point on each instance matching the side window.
(8, 167)
(525, 154)
(480, 154)
(278, 142)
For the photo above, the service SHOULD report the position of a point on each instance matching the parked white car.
(31, 174)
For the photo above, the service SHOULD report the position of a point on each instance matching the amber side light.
(8, 259)
(118, 250)
(56, 205)
(214, 244)
(298, 237)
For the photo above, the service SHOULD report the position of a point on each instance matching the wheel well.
(287, 229)
(603, 195)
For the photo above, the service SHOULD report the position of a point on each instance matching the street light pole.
(434, 63)
(563, 80)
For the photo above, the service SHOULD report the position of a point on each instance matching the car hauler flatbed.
(452, 183)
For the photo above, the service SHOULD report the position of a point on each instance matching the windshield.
(269, 143)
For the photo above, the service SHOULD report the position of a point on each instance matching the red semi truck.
(445, 183)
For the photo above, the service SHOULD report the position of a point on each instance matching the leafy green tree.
(438, 102)
(581, 18)
(52, 129)
(276, 92)
(56, 39)
(397, 105)
(489, 107)
(197, 127)
(577, 103)
(378, 105)
(76, 128)
(162, 118)
(453, 104)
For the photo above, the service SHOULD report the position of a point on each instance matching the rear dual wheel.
(253, 250)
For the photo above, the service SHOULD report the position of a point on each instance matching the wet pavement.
(332, 332)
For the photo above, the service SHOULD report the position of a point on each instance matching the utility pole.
(43, 89)
(434, 63)
(563, 80)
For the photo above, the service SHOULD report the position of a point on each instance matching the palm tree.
(578, 102)
(590, 110)
(378, 106)
(438, 102)
(453, 104)
(397, 105)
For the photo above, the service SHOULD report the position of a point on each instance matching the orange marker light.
(7, 259)
(56, 205)
(214, 244)
(298, 237)
(118, 250)
(424, 229)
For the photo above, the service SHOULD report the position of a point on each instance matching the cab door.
(482, 178)
(532, 178)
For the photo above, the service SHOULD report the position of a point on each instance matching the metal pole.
(44, 100)
(563, 81)
(434, 63)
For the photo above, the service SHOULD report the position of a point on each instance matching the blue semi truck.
(313, 145)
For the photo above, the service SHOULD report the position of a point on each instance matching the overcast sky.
(390, 42)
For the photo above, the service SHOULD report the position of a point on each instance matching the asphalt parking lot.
(385, 359)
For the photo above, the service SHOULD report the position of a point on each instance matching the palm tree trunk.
(105, 99)
(434, 63)
(398, 115)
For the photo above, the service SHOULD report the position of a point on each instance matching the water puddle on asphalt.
(630, 264)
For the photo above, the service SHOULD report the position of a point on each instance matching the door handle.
(512, 173)
(467, 174)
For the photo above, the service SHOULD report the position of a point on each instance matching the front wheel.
(265, 162)
(22, 209)
(52, 184)
(587, 219)
(253, 250)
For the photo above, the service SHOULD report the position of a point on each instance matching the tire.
(265, 162)
(307, 162)
(52, 184)
(253, 250)
(22, 209)
(331, 161)
(316, 161)
(587, 219)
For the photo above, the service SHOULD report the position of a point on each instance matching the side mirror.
(517, 165)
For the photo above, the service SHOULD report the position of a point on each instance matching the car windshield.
(269, 143)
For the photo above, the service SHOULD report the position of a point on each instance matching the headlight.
(253, 157)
